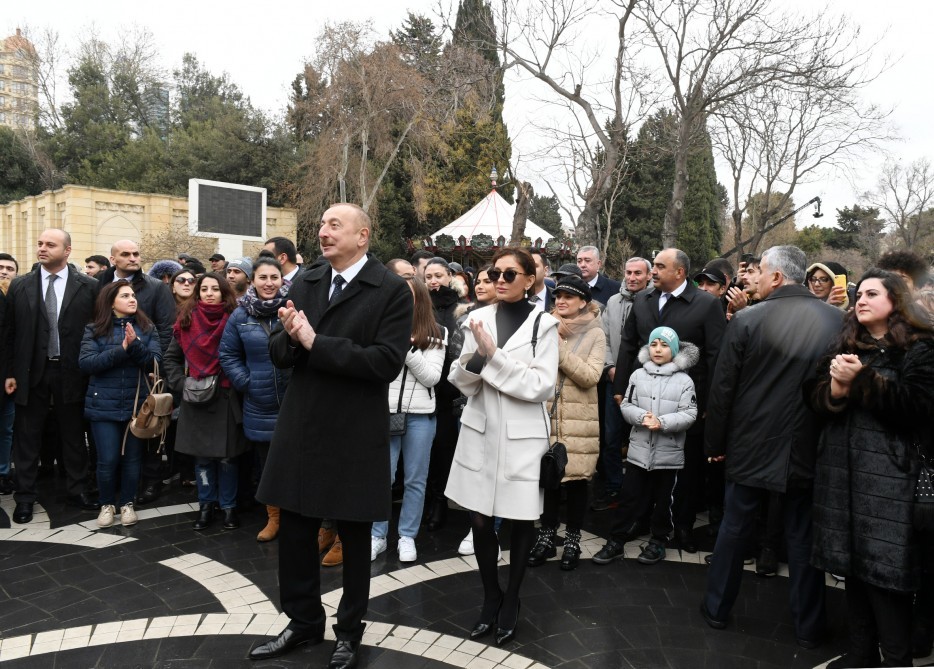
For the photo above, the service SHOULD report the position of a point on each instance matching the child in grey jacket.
(660, 404)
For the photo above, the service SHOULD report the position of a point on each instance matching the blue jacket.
(244, 356)
(114, 371)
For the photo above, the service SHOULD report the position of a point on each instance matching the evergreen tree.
(545, 212)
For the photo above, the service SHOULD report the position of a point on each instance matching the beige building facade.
(98, 217)
(19, 90)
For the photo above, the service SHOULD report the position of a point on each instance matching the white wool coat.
(504, 429)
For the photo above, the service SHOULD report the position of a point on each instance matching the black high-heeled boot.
(438, 514)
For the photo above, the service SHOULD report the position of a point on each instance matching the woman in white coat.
(504, 430)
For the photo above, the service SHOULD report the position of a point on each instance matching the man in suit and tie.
(47, 310)
(540, 295)
(345, 333)
(590, 262)
(698, 318)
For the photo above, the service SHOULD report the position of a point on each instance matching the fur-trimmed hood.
(687, 357)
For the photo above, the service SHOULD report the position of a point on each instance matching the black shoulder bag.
(555, 459)
(397, 419)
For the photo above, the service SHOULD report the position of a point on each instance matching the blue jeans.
(415, 446)
(108, 435)
(7, 414)
(217, 481)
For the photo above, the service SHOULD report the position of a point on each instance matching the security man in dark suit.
(697, 317)
(590, 262)
(345, 333)
(540, 295)
(47, 310)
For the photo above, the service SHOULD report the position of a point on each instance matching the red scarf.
(201, 341)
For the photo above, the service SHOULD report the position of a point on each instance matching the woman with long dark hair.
(444, 301)
(244, 357)
(507, 369)
(119, 350)
(210, 431)
(875, 391)
(411, 392)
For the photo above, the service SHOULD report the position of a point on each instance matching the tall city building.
(19, 89)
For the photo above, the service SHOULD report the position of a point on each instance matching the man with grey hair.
(638, 273)
(766, 435)
(590, 262)
(698, 318)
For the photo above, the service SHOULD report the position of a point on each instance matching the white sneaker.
(377, 546)
(466, 547)
(128, 515)
(106, 517)
(407, 552)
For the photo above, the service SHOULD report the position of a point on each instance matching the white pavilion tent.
(491, 216)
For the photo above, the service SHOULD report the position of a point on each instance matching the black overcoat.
(757, 414)
(695, 315)
(27, 338)
(329, 456)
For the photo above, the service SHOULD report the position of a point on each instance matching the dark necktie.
(663, 301)
(51, 309)
(338, 288)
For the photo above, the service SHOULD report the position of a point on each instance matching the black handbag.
(397, 419)
(924, 494)
(555, 460)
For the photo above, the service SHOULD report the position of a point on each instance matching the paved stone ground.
(161, 595)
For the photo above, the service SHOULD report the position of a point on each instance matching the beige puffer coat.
(576, 423)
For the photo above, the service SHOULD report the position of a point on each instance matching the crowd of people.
(783, 399)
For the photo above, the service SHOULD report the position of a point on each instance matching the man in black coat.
(590, 262)
(698, 318)
(767, 436)
(45, 325)
(345, 334)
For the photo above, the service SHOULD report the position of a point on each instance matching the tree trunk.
(680, 188)
(524, 193)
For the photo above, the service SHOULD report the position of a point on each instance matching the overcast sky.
(263, 45)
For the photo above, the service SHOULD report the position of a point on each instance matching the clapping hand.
(129, 336)
(296, 325)
(485, 344)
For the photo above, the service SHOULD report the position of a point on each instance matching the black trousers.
(725, 574)
(447, 426)
(576, 505)
(28, 427)
(300, 575)
(689, 492)
(642, 488)
(878, 618)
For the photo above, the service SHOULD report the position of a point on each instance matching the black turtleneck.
(509, 318)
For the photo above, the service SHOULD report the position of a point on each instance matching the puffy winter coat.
(576, 422)
(422, 373)
(244, 357)
(668, 392)
(115, 371)
(867, 466)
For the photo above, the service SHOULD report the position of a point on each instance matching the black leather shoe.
(344, 655)
(6, 485)
(809, 644)
(83, 501)
(685, 539)
(231, 522)
(205, 517)
(150, 493)
(709, 619)
(506, 634)
(22, 513)
(613, 550)
(287, 641)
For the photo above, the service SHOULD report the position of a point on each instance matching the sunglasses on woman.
(184, 279)
(508, 275)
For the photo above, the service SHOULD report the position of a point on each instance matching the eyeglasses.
(508, 275)
(183, 279)
(819, 279)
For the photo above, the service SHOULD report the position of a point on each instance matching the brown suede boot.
(271, 531)
(335, 556)
(326, 537)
